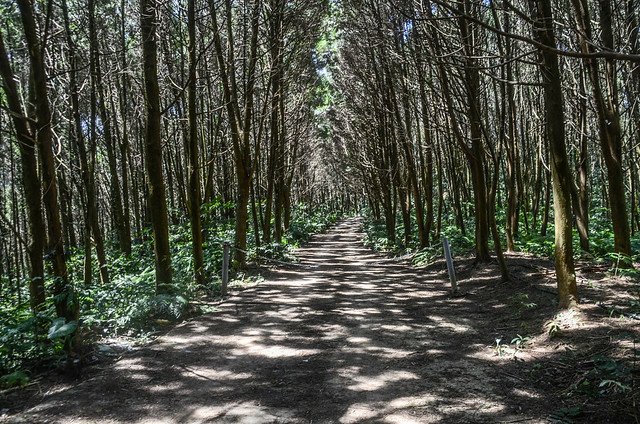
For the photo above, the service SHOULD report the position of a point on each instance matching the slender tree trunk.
(581, 202)
(153, 147)
(560, 172)
(192, 149)
(121, 227)
(30, 183)
(65, 299)
(476, 154)
(92, 227)
(608, 121)
(240, 119)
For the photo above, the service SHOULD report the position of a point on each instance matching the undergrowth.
(601, 240)
(129, 306)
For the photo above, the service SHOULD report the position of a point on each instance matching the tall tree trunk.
(475, 155)
(65, 299)
(240, 119)
(153, 147)
(121, 227)
(581, 201)
(560, 171)
(192, 149)
(30, 183)
(610, 133)
(92, 227)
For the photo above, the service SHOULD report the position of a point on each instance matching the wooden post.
(226, 250)
(450, 268)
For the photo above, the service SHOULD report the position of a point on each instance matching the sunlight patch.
(399, 418)
(357, 413)
(274, 351)
(412, 401)
(526, 393)
(372, 383)
(388, 352)
(211, 374)
(358, 340)
(478, 405)
(399, 328)
(456, 327)
(359, 312)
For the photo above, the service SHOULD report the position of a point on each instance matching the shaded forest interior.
(136, 137)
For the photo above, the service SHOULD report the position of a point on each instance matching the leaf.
(61, 329)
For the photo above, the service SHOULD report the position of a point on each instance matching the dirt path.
(350, 337)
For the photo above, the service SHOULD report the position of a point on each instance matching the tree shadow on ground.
(350, 336)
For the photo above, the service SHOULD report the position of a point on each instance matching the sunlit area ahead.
(320, 211)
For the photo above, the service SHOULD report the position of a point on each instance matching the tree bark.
(608, 121)
(65, 300)
(560, 172)
(192, 149)
(30, 183)
(153, 147)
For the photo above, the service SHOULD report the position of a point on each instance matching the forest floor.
(349, 335)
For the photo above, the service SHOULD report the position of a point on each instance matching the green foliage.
(376, 239)
(520, 341)
(553, 329)
(161, 307)
(61, 329)
(24, 342)
(521, 303)
(14, 379)
(601, 241)
(537, 244)
(129, 305)
(459, 243)
(605, 377)
(375, 236)
(500, 347)
(306, 222)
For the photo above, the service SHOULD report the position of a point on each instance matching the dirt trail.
(349, 337)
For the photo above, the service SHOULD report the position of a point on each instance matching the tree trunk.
(30, 183)
(192, 149)
(65, 299)
(560, 172)
(608, 121)
(153, 147)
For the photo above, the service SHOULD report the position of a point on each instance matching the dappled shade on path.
(350, 336)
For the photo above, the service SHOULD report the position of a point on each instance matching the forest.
(138, 137)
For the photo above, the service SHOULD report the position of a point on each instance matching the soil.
(349, 335)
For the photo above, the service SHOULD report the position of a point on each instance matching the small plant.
(614, 386)
(520, 341)
(553, 329)
(607, 376)
(500, 348)
(617, 260)
(521, 301)
(60, 329)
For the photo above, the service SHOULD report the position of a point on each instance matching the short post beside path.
(226, 254)
(450, 268)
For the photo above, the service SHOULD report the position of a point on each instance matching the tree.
(560, 174)
(192, 150)
(64, 295)
(609, 127)
(26, 143)
(153, 146)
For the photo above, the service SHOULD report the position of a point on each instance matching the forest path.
(350, 337)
